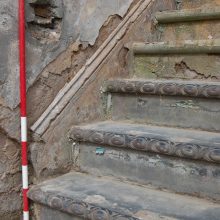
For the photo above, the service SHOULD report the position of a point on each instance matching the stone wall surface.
(61, 36)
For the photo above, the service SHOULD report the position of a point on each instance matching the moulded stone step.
(94, 198)
(191, 88)
(192, 24)
(179, 47)
(189, 144)
(198, 14)
(166, 103)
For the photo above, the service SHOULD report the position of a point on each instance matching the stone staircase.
(157, 155)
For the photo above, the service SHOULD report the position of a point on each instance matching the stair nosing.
(208, 46)
(184, 146)
(187, 15)
(164, 87)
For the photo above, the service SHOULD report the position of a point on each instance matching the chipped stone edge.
(71, 88)
(74, 207)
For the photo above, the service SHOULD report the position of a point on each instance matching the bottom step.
(104, 198)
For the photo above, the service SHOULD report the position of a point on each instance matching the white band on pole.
(23, 129)
(25, 177)
(25, 215)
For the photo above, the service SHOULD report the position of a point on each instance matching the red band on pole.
(22, 57)
(24, 159)
(25, 200)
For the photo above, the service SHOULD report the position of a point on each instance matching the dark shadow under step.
(97, 198)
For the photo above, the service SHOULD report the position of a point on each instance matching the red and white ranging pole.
(23, 108)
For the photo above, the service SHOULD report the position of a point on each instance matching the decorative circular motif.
(148, 88)
(169, 89)
(117, 140)
(56, 203)
(97, 137)
(37, 195)
(138, 143)
(188, 150)
(100, 214)
(214, 155)
(213, 91)
(128, 87)
(78, 209)
(161, 146)
(190, 90)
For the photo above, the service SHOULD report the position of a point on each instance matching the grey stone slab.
(182, 112)
(111, 199)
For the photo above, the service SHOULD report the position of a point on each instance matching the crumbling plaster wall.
(61, 35)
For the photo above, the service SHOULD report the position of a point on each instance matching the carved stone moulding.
(75, 207)
(166, 87)
(188, 150)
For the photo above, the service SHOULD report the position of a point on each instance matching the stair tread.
(82, 194)
(196, 14)
(192, 144)
(174, 134)
(194, 88)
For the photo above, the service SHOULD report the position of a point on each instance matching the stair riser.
(204, 67)
(189, 30)
(46, 213)
(183, 176)
(173, 111)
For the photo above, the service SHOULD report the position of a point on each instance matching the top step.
(190, 4)
(178, 47)
(188, 15)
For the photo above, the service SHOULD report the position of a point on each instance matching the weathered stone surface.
(81, 21)
(168, 111)
(94, 198)
(10, 178)
(59, 161)
(204, 67)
